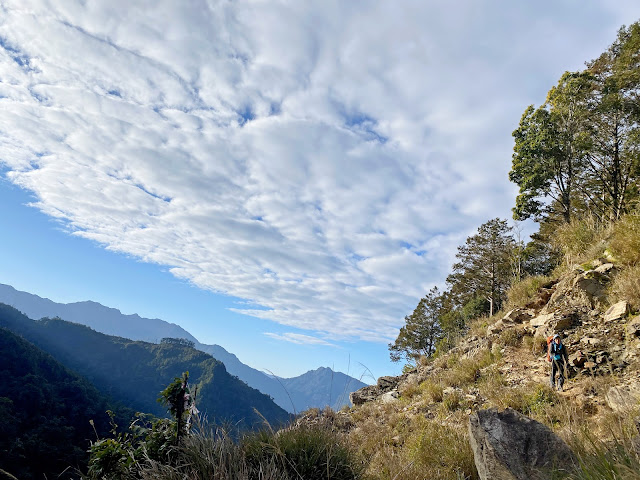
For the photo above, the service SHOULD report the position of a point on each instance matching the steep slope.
(305, 391)
(502, 363)
(133, 372)
(45, 411)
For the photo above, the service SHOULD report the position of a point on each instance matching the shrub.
(452, 401)
(434, 390)
(510, 337)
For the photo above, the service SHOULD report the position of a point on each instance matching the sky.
(285, 179)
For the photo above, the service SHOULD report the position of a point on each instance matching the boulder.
(606, 268)
(577, 359)
(542, 320)
(389, 397)
(593, 283)
(622, 399)
(633, 327)
(388, 383)
(509, 446)
(517, 315)
(555, 322)
(616, 311)
(364, 395)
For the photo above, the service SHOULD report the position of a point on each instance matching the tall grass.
(579, 239)
(301, 453)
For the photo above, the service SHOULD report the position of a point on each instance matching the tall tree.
(421, 331)
(483, 268)
(548, 151)
(614, 112)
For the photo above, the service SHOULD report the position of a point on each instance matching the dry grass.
(580, 240)
(625, 240)
(626, 286)
(525, 291)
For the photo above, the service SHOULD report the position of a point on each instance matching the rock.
(617, 311)
(364, 395)
(594, 342)
(593, 283)
(622, 399)
(633, 327)
(387, 383)
(542, 320)
(605, 268)
(509, 446)
(390, 397)
(517, 315)
(590, 365)
(577, 359)
(555, 322)
(496, 327)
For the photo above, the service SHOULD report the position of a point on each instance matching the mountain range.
(134, 372)
(316, 388)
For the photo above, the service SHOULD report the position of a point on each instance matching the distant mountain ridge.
(316, 388)
(134, 372)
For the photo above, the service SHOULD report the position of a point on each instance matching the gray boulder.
(510, 446)
(364, 395)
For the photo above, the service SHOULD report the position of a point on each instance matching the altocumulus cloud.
(320, 160)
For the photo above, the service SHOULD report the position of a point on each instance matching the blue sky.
(285, 179)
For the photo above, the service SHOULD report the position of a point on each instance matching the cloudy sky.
(283, 178)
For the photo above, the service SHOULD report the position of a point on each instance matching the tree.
(484, 265)
(548, 151)
(613, 154)
(179, 402)
(421, 331)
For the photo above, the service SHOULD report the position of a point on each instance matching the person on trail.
(559, 359)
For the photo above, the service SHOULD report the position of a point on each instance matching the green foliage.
(577, 154)
(44, 411)
(484, 264)
(577, 238)
(133, 372)
(422, 330)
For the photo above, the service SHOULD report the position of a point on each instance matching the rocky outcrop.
(509, 446)
(616, 312)
(364, 395)
(513, 317)
(386, 389)
(623, 398)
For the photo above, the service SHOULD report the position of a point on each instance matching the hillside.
(501, 363)
(45, 411)
(292, 394)
(133, 372)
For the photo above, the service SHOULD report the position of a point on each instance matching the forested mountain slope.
(292, 394)
(133, 372)
(44, 412)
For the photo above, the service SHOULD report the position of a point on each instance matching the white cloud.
(321, 160)
(299, 339)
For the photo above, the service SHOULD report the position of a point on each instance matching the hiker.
(559, 359)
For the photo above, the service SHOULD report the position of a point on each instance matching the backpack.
(556, 350)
